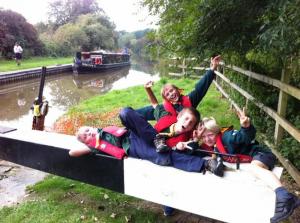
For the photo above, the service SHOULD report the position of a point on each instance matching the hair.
(211, 124)
(193, 111)
(164, 88)
(78, 134)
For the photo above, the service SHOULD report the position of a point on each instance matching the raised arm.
(151, 96)
(247, 132)
(204, 83)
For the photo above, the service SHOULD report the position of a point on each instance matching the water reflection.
(62, 91)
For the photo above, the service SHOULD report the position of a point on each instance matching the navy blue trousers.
(141, 138)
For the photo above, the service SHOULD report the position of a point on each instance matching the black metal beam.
(97, 170)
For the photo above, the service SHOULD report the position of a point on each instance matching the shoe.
(215, 166)
(168, 211)
(160, 144)
(285, 207)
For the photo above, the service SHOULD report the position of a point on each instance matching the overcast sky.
(126, 14)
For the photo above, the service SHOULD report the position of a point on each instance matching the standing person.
(18, 53)
(262, 160)
(174, 101)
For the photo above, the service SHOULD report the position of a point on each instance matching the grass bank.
(57, 199)
(10, 65)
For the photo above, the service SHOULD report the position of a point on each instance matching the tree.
(89, 32)
(199, 27)
(15, 28)
(100, 31)
(62, 12)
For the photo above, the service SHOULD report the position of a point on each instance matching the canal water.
(64, 91)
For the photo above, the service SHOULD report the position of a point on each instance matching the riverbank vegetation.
(73, 25)
(61, 200)
(261, 36)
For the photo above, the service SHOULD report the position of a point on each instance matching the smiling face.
(185, 123)
(85, 134)
(171, 93)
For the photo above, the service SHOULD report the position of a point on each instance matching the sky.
(126, 14)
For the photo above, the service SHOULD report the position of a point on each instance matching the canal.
(64, 91)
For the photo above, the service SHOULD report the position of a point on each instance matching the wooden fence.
(278, 116)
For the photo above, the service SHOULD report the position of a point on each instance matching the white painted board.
(237, 197)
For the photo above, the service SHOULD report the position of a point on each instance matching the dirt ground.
(14, 179)
(13, 182)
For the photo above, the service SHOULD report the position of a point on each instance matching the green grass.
(211, 105)
(58, 199)
(10, 65)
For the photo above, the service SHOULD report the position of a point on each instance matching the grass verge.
(10, 65)
(57, 199)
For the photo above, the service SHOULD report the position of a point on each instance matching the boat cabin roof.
(102, 53)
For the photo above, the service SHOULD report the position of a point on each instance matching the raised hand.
(149, 84)
(214, 62)
(244, 119)
(197, 134)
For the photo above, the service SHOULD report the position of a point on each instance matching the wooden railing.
(278, 116)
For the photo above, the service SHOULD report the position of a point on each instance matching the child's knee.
(124, 113)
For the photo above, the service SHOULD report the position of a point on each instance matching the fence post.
(282, 105)
(183, 67)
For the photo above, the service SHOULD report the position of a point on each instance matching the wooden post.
(281, 108)
(183, 67)
(249, 80)
(40, 106)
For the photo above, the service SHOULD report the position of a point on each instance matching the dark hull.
(82, 68)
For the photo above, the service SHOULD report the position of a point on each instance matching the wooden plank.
(292, 170)
(292, 130)
(293, 91)
(206, 195)
(176, 74)
(236, 107)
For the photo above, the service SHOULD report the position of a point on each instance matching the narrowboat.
(96, 61)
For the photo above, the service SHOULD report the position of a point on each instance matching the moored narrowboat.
(99, 60)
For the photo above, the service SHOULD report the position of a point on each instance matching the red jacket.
(222, 149)
(168, 120)
(107, 147)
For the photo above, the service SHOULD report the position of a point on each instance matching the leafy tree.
(100, 31)
(178, 20)
(138, 41)
(62, 12)
(199, 27)
(265, 34)
(280, 32)
(69, 38)
(89, 32)
(15, 28)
